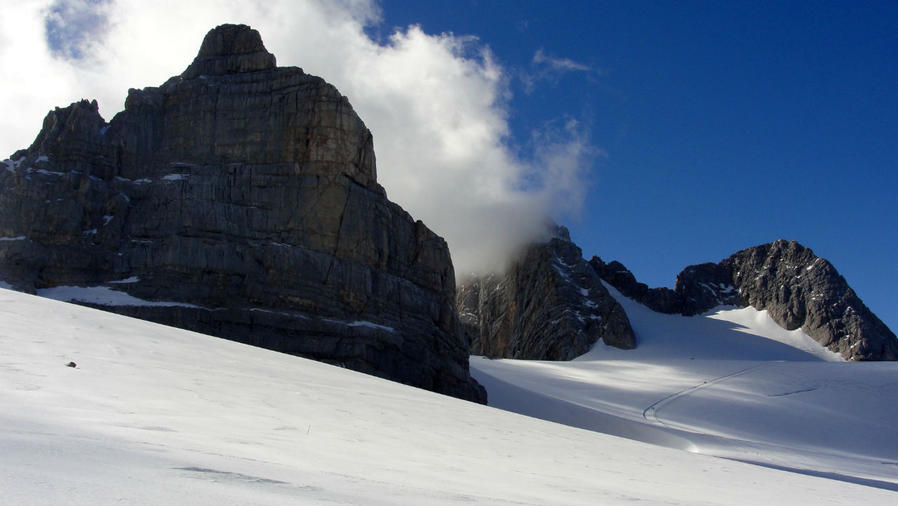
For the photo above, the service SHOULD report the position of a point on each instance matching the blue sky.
(723, 125)
(682, 131)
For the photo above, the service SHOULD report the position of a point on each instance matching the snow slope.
(730, 383)
(156, 415)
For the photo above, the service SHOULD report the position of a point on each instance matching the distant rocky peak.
(229, 49)
(796, 287)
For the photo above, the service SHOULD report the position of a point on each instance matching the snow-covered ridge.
(152, 414)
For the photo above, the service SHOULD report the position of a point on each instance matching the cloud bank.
(437, 104)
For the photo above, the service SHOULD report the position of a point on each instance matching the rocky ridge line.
(796, 287)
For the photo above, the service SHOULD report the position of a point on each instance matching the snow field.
(730, 383)
(157, 415)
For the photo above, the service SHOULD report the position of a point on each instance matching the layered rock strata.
(549, 305)
(237, 199)
(796, 287)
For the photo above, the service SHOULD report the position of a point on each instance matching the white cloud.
(560, 64)
(545, 68)
(437, 104)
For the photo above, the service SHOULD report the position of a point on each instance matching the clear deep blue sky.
(724, 124)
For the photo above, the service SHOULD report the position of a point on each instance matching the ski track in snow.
(650, 413)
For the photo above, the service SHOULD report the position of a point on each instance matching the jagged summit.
(229, 49)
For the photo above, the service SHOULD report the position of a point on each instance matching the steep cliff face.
(796, 287)
(549, 305)
(238, 199)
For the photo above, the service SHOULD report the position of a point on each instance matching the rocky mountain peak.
(796, 287)
(239, 200)
(549, 305)
(230, 49)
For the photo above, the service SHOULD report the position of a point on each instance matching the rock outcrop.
(796, 287)
(549, 305)
(662, 300)
(237, 199)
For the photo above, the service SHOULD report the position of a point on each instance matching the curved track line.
(650, 413)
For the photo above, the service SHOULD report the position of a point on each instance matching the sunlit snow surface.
(730, 383)
(156, 415)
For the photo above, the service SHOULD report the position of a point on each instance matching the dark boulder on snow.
(241, 200)
(548, 305)
(796, 287)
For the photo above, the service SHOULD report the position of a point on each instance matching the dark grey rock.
(802, 290)
(662, 300)
(796, 287)
(549, 305)
(230, 49)
(247, 194)
(706, 286)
